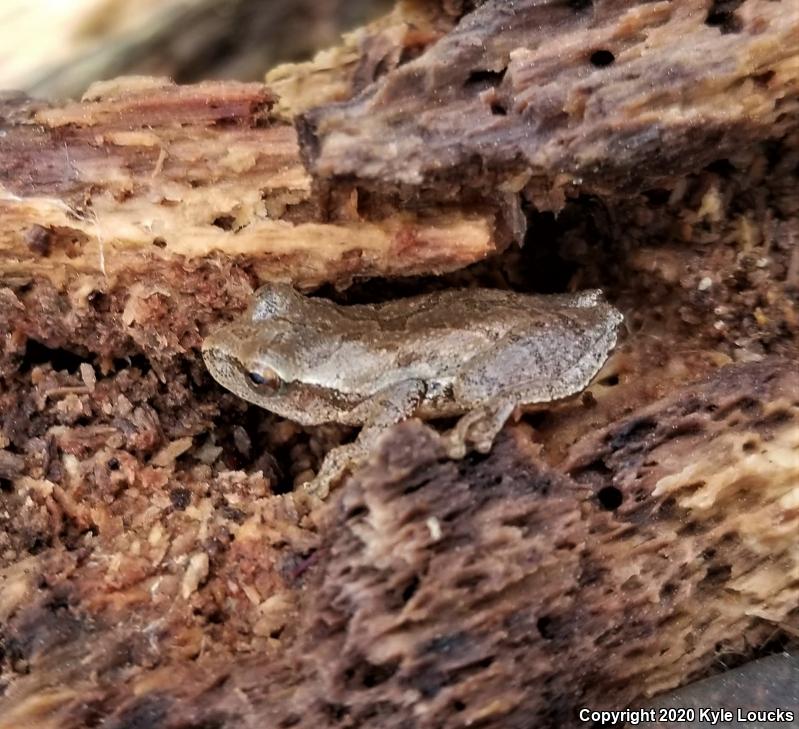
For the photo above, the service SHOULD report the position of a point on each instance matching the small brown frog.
(478, 353)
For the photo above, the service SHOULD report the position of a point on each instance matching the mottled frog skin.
(479, 353)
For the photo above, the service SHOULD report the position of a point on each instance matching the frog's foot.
(384, 410)
(336, 465)
(478, 428)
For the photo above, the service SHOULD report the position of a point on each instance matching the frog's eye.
(265, 380)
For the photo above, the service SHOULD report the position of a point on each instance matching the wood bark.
(555, 98)
(225, 177)
(498, 591)
(158, 567)
(112, 204)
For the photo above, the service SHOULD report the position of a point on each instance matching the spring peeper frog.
(478, 353)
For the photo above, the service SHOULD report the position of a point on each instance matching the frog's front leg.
(478, 428)
(385, 409)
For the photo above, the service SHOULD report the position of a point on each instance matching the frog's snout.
(218, 363)
(209, 344)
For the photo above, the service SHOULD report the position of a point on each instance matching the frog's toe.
(479, 428)
(456, 448)
(482, 439)
(336, 465)
(459, 439)
(329, 476)
(318, 487)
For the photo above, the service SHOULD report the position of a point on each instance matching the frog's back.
(487, 309)
(434, 336)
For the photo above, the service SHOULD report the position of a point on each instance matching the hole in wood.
(37, 353)
(764, 79)
(610, 498)
(545, 627)
(484, 78)
(409, 589)
(225, 222)
(180, 498)
(602, 58)
(722, 16)
(364, 674)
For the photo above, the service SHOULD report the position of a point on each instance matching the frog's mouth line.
(230, 373)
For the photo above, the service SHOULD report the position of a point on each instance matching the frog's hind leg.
(527, 368)
(388, 408)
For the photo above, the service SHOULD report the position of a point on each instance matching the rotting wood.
(366, 54)
(555, 98)
(505, 591)
(146, 558)
(142, 172)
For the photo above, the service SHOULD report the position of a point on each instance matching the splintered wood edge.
(142, 173)
(337, 74)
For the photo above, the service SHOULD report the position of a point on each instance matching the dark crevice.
(225, 222)
(410, 589)
(721, 167)
(657, 196)
(485, 78)
(602, 58)
(722, 16)
(180, 498)
(365, 675)
(610, 498)
(716, 575)
(139, 361)
(37, 353)
(357, 512)
(765, 78)
(545, 627)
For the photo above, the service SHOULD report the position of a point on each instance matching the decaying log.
(147, 192)
(558, 98)
(503, 591)
(365, 55)
(143, 171)
(158, 567)
(509, 593)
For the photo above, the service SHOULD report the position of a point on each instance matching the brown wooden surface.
(158, 566)
(559, 98)
(496, 590)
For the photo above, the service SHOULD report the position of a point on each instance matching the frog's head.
(232, 356)
(265, 357)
